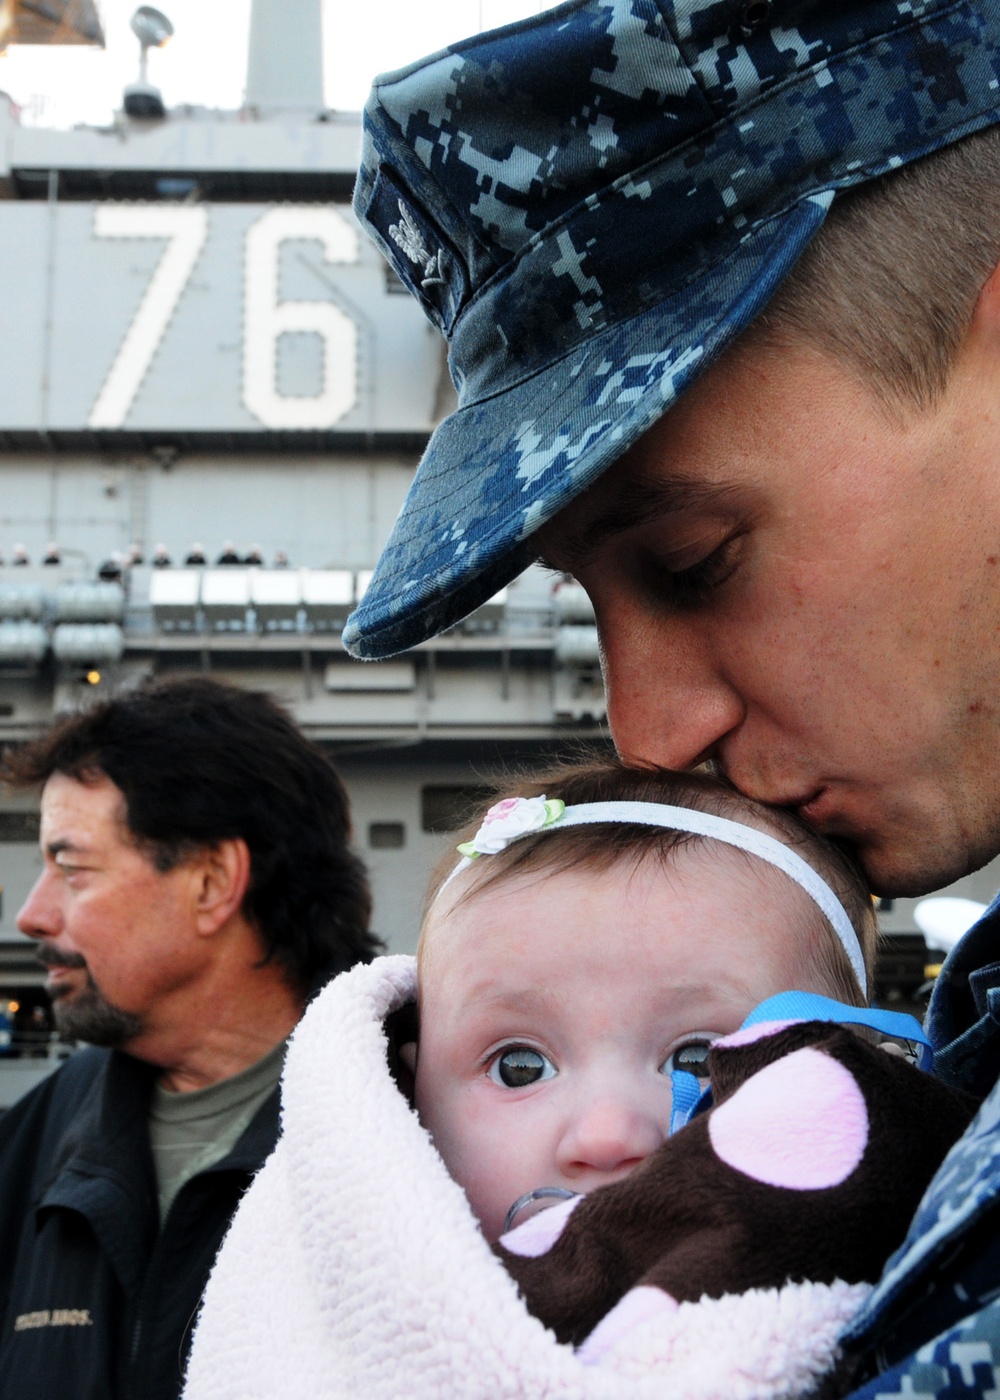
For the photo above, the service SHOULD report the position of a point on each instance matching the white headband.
(519, 816)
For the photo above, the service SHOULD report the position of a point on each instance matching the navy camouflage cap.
(591, 204)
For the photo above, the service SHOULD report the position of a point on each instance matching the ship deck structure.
(202, 358)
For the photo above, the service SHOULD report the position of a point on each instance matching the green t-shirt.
(189, 1131)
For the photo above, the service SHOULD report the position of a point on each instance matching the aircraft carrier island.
(213, 394)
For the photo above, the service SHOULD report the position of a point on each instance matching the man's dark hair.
(199, 762)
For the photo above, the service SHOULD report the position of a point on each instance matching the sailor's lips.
(807, 803)
(825, 811)
(818, 807)
(812, 808)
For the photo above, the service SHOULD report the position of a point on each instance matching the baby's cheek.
(452, 1121)
(486, 1157)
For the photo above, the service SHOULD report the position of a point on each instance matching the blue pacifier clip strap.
(685, 1090)
(809, 1006)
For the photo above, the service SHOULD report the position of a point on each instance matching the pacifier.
(533, 1202)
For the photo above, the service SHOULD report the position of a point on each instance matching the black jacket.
(96, 1302)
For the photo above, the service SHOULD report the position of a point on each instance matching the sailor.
(229, 554)
(724, 316)
(111, 570)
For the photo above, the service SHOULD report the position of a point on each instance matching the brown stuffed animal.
(809, 1166)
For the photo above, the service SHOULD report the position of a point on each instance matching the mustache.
(54, 957)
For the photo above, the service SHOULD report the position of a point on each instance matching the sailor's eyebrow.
(640, 502)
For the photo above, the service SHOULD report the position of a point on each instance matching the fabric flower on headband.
(509, 819)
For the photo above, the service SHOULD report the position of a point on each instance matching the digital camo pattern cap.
(591, 204)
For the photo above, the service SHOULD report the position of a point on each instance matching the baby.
(584, 972)
(569, 971)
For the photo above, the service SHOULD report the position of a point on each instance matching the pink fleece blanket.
(355, 1268)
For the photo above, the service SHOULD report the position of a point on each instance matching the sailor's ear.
(985, 326)
(408, 1055)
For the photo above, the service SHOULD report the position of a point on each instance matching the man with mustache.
(80, 1011)
(721, 284)
(197, 886)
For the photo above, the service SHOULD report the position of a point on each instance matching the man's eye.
(519, 1067)
(691, 1057)
(689, 587)
(692, 586)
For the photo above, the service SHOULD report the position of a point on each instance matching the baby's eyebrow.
(487, 997)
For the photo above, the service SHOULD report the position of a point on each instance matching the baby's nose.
(608, 1138)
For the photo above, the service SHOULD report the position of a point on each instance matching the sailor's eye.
(519, 1067)
(691, 1057)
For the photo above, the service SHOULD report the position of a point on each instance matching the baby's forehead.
(487, 892)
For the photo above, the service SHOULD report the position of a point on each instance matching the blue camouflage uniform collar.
(963, 1019)
(964, 1027)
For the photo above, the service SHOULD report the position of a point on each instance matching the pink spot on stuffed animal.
(746, 1035)
(539, 1233)
(638, 1305)
(800, 1123)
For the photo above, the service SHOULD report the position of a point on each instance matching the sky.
(205, 61)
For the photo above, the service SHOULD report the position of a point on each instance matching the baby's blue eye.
(519, 1067)
(692, 1057)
